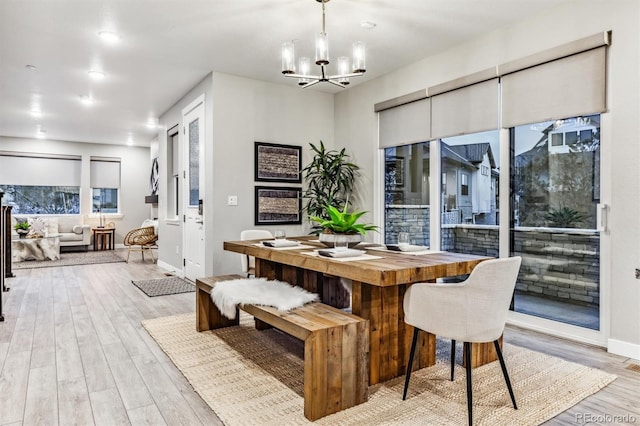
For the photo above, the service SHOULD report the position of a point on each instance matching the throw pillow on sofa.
(43, 226)
(38, 226)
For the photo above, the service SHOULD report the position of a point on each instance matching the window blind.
(105, 173)
(465, 110)
(405, 124)
(567, 87)
(39, 171)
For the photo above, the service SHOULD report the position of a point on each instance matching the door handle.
(601, 217)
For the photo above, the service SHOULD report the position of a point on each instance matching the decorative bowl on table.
(329, 240)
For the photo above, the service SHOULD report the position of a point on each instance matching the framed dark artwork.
(154, 178)
(394, 170)
(277, 163)
(278, 205)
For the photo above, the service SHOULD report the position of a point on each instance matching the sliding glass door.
(555, 182)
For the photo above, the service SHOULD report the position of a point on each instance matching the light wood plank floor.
(72, 351)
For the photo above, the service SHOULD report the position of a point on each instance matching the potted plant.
(330, 178)
(341, 225)
(22, 228)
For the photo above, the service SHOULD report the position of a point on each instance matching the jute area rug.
(164, 286)
(71, 258)
(251, 377)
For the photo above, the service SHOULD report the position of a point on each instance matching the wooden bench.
(336, 347)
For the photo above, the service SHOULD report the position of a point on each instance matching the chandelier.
(305, 79)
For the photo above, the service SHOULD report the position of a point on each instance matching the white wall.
(134, 170)
(239, 112)
(356, 126)
(246, 111)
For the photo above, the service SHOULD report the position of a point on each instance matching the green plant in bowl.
(22, 226)
(342, 225)
(343, 222)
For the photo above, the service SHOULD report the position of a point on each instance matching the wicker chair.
(141, 239)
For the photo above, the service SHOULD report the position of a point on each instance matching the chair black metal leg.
(410, 363)
(453, 357)
(505, 373)
(467, 354)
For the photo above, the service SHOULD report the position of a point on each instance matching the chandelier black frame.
(305, 79)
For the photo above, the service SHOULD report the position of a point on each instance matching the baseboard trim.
(176, 271)
(619, 347)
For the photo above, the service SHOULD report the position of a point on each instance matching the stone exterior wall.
(472, 239)
(561, 264)
(407, 218)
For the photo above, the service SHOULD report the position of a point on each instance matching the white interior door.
(193, 230)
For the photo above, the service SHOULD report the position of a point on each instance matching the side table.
(103, 237)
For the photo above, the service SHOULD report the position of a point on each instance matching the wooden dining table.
(378, 287)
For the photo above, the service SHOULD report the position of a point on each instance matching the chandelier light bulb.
(304, 66)
(322, 49)
(359, 57)
(343, 68)
(288, 58)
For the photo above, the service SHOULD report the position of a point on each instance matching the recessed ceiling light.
(96, 75)
(367, 25)
(30, 67)
(109, 36)
(87, 100)
(36, 113)
(152, 123)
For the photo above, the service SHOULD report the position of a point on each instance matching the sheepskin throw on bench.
(259, 291)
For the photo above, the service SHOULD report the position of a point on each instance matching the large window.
(105, 184)
(27, 199)
(470, 174)
(41, 183)
(104, 200)
(470, 208)
(407, 192)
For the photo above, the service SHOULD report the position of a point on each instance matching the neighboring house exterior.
(469, 184)
(558, 171)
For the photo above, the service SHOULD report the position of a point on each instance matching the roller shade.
(105, 173)
(466, 110)
(567, 87)
(39, 171)
(405, 124)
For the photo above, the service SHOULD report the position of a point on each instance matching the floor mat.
(164, 286)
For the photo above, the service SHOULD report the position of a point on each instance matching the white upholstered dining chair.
(473, 311)
(249, 262)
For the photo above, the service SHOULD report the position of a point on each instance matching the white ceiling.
(167, 46)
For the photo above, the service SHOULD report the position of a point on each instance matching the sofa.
(69, 228)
